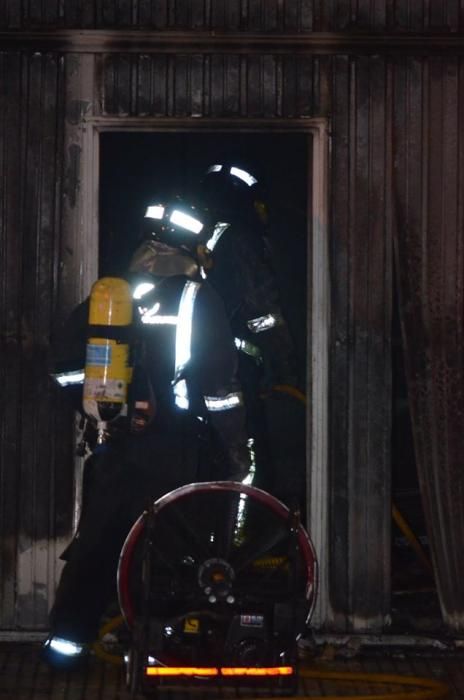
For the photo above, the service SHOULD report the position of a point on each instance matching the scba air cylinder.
(107, 365)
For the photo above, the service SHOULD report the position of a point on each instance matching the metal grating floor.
(24, 677)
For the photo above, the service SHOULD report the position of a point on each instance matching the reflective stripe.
(159, 320)
(181, 395)
(186, 221)
(264, 323)
(224, 403)
(217, 233)
(152, 317)
(141, 289)
(65, 647)
(237, 172)
(146, 314)
(69, 378)
(248, 481)
(155, 211)
(249, 478)
(183, 341)
(243, 175)
(248, 348)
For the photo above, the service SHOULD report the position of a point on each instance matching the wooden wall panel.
(36, 507)
(224, 96)
(116, 90)
(34, 468)
(10, 14)
(226, 14)
(207, 85)
(340, 256)
(360, 355)
(10, 310)
(373, 488)
(237, 15)
(429, 245)
(160, 76)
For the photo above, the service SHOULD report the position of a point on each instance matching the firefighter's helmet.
(230, 188)
(176, 223)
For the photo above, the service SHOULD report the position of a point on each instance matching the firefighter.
(188, 423)
(241, 270)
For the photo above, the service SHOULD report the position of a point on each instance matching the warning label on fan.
(192, 625)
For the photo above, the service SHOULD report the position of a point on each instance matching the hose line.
(116, 659)
(426, 688)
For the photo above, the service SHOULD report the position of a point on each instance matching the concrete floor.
(24, 677)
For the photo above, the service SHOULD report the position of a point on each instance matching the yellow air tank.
(107, 369)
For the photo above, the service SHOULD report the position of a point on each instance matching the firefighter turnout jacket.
(243, 276)
(183, 350)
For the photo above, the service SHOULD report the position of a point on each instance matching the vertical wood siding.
(10, 310)
(429, 103)
(360, 345)
(35, 499)
(209, 86)
(237, 15)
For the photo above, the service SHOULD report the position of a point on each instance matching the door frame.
(318, 290)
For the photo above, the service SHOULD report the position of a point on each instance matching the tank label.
(113, 390)
(98, 355)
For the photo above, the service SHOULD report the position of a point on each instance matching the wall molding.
(201, 41)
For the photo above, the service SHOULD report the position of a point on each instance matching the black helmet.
(231, 189)
(176, 223)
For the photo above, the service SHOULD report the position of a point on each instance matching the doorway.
(103, 234)
(136, 167)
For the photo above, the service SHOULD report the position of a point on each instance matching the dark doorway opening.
(135, 166)
(415, 605)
